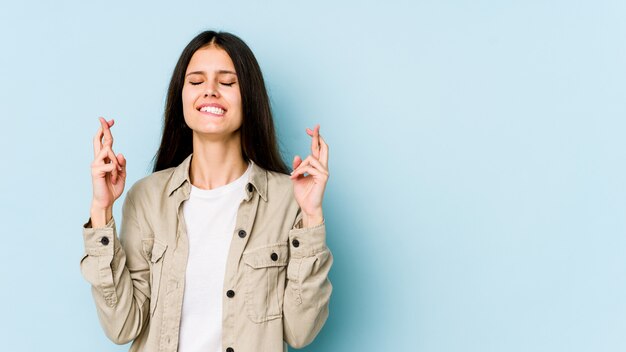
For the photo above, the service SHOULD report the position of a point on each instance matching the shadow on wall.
(351, 275)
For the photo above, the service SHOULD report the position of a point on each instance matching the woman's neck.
(216, 163)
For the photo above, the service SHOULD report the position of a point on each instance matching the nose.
(211, 90)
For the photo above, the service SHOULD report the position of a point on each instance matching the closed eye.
(228, 84)
(195, 83)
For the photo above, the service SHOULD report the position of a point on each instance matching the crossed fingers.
(317, 162)
(103, 148)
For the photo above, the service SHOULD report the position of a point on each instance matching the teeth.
(213, 110)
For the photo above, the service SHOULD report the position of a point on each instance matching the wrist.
(100, 217)
(310, 220)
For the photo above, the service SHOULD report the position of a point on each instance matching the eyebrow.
(202, 72)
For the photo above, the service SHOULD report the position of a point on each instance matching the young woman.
(220, 248)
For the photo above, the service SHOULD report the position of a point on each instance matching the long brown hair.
(258, 136)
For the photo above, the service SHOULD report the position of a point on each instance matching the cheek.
(235, 100)
(186, 95)
(189, 98)
(188, 102)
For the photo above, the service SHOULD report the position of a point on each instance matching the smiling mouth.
(213, 110)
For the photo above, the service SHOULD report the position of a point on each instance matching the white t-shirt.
(210, 217)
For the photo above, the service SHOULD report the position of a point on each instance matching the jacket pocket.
(154, 251)
(264, 280)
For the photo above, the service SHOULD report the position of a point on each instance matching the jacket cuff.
(100, 241)
(308, 241)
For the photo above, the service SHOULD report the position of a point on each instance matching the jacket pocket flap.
(157, 251)
(268, 256)
(153, 249)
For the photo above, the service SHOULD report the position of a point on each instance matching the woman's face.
(211, 97)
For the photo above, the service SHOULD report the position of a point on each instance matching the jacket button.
(242, 233)
(250, 187)
(230, 293)
(274, 256)
(295, 243)
(230, 349)
(104, 240)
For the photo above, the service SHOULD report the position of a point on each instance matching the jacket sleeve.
(119, 275)
(305, 304)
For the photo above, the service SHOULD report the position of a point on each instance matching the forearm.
(312, 220)
(118, 271)
(307, 295)
(121, 303)
(100, 217)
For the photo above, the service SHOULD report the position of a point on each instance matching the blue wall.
(477, 157)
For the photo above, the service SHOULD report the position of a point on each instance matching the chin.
(208, 131)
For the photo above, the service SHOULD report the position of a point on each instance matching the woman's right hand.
(108, 171)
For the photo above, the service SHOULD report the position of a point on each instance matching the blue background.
(477, 157)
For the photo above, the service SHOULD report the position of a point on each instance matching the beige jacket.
(276, 286)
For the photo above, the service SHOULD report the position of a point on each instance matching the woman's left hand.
(309, 190)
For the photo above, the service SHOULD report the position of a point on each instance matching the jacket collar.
(180, 177)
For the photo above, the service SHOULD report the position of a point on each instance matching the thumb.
(121, 160)
(296, 162)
